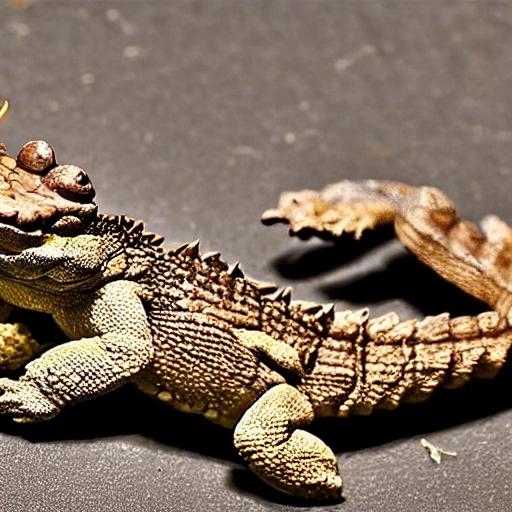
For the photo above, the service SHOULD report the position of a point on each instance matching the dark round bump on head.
(36, 156)
(70, 182)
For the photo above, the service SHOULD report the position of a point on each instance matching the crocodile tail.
(363, 364)
(425, 221)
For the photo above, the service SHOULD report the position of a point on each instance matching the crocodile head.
(39, 198)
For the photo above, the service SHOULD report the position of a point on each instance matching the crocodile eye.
(36, 156)
(71, 182)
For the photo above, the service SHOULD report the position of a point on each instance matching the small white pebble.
(20, 29)
(131, 52)
(290, 138)
(113, 15)
(342, 64)
(87, 79)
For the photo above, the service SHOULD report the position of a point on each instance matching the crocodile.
(187, 329)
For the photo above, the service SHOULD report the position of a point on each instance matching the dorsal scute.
(236, 271)
(136, 227)
(131, 232)
(191, 249)
(153, 239)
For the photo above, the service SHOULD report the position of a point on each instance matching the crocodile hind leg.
(292, 460)
(425, 221)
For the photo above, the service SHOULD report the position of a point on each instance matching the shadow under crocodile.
(404, 277)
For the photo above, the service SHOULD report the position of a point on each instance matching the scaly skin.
(191, 331)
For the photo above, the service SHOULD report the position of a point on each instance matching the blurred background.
(194, 116)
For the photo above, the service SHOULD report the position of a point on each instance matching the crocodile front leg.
(292, 460)
(115, 344)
